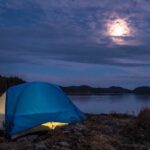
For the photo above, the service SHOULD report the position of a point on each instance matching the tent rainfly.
(28, 107)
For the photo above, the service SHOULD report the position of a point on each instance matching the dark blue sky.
(67, 41)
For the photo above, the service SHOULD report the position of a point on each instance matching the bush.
(138, 130)
(143, 119)
(142, 125)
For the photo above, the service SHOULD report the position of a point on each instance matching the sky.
(74, 42)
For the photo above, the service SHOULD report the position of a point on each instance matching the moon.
(117, 29)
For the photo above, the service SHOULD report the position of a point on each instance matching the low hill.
(87, 90)
(142, 90)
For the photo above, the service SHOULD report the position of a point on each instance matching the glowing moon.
(117, 29)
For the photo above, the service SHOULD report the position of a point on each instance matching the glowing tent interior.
(28, 107)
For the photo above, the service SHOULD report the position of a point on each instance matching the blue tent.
(32, 104)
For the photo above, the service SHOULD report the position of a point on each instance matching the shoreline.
(105, 94)
(102, 132)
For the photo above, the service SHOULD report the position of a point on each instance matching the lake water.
(131, 104)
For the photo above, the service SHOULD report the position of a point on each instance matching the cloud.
(73, 32)
(37, 45)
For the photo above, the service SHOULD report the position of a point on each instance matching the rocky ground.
(98, 132)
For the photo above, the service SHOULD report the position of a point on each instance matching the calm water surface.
(131, 104)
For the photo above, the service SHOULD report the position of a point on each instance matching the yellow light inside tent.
(47, 126)
(53, 125)
(43, 127)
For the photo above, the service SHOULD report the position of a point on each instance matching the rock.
(67, 130)
(80, 127)
(134, 147)
(29, 138)
(110, 122)
(64, 144)
(106, 130)
(101, 142)
(41, 146)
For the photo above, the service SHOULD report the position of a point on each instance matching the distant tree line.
(6, 82)
(87, 90)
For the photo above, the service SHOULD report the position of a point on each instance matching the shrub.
(143, 119)
(138, 130)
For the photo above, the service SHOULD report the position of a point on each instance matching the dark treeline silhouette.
(87, 90)
(6, 82)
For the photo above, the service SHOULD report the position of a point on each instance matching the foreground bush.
(138, 131)
(143, 119)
